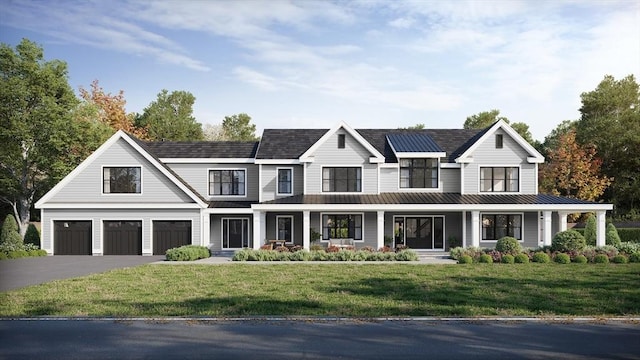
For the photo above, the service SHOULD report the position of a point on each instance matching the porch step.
(433, 254)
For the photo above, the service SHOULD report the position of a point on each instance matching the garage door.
(170, 234)
(123, 237)
(72, 237)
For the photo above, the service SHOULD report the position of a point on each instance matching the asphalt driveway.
(18, 273)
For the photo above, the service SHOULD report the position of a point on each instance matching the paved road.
(107, 339)
(18, 273)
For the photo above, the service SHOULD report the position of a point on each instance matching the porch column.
(601, 239)
(475, 228)
(563, 220)
(464, 229)
(259, 228)
(546, 236)
(206, 230)
(380, 229)
(306, 230)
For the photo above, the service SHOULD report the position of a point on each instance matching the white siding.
(270, 181)
(450, 180)
(389, 179)
(197, 175)
(86, 187)
(512, 154)
(354, 154)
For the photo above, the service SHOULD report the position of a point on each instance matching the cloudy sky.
(314, 63)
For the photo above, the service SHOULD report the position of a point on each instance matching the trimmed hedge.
(569, 240)
(509, 245)
(629, 235)
(188, 253)
(321, 255)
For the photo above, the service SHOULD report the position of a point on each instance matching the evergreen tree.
(612, 237)
(32, 236)
(10, 234)
(591, 230)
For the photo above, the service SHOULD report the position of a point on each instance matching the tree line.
(46, 131)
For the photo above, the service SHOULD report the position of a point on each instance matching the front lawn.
(357, 290)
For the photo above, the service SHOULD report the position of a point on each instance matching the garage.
(170, 234)
(72, 237)
(122, 238)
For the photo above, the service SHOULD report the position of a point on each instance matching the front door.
(235, 233)
(420, 232)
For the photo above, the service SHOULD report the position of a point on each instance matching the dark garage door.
(170, 234)
(123, 237)
(72, 237)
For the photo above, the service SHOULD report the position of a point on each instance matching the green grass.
(389, 289)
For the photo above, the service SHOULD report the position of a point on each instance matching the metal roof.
(414, 142)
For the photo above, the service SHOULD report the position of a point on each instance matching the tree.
(610, 120)
(170, 117)
(239, 128)
(612, 237)
(419, 126)
(37, 130)
(551, 140)
(573, 171)
(591, 230)
(10, 235)
(485, 119)
(32, 236)
(213, 132)
(110, 110)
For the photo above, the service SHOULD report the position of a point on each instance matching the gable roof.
(287, 143)
(534, 155)
(140, 147)
(376, 155)
(204, 149)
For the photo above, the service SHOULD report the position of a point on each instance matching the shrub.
(569, 240)
(507, 259)
(591, 230)
(635, 257)
(628, 247)
(32, 236)
(612, 237)
(473, 252)
(188, 253)
(485, 259)
(541, 257)
(629, 235)
(620, 259)
(509, 245)
(465, 259)
(368, 249)
(282, 249)
(3, 255)
(580, 259)
(10, 234)
(406, 255)
(317, 247)
(17, 254)
(333, 249)
(562, 258)
(521, 259)
(601, 259)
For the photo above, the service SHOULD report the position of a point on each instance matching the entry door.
(419, 233)
(235, 233)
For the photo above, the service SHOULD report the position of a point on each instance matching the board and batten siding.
(87, 185)
(511, 154)
(353, 154)
(97, 216)
(197, 175)
(270, 181)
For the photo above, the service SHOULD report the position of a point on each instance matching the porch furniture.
(276, 243)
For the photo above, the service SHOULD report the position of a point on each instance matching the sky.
(312, 64)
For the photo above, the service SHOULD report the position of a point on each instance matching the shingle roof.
(287, 143)
(429, 198)
(413, 143)
(204, 149)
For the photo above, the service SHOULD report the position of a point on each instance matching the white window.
(121, 180)
(285, 181)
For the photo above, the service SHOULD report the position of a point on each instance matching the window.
(496, 226)
(419, 173)
(285, 180)
(499, 179)
(285, 228)
(227, 182)
(341, 141)
(235, 233)
(341, 179)
(341, 226)
(499, 141)
(121, 180)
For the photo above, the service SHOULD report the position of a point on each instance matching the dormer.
(418, 160)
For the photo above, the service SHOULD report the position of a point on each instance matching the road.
(109, 339)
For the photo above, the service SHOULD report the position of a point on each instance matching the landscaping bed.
(331, 254)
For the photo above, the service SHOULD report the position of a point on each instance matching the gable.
(354, 144)
(84, 185)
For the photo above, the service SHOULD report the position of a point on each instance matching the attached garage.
(72, 237)
(170, 234)
(122, 238)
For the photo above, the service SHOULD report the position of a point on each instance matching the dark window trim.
(509, 230)
(291, 235)
(341, 141)
(331, 183)
(339, 230)
(237, 187)
(108, 182)
(279, 182)
(499, 141)
(505, 182)
(426, 170)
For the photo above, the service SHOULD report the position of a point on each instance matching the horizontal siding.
(389, 179)
(87, 186)
(215, 223)
(98, 215)
(450, 180)
(197, 175)
(270, 181)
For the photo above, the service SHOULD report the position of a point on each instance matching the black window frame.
(506, 181)
(342, 226)
(496, 226)
(342, 140)
(417, 175)
(281, 182)
(341, 179)
(499, 141)
(235, 187)
(115, 183)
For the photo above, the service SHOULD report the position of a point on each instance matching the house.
(426, 189)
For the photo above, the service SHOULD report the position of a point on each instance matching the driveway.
(18, 273)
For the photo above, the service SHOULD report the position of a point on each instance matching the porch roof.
(231, 204)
